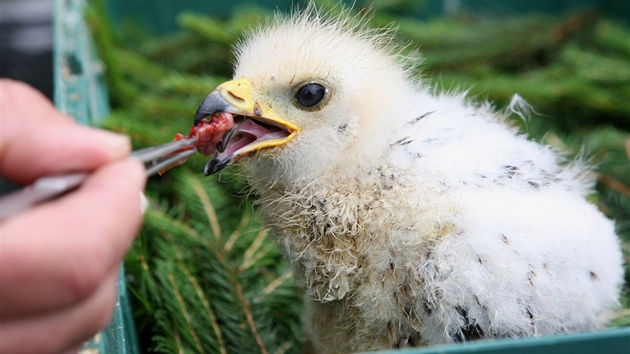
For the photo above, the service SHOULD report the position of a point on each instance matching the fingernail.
(144, 203)
(116, 145)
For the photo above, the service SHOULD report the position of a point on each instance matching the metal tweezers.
(155, 159)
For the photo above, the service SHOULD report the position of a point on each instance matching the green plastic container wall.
(81, 91)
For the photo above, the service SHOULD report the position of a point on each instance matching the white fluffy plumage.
(414, 217)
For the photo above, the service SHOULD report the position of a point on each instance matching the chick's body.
(414, 217)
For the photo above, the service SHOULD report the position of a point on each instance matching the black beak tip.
(213, 103)
(200, 115)
(216, 164)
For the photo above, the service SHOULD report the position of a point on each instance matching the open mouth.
(250, 134)
(238, 138)
(229, 137)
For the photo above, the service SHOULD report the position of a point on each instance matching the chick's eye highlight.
(310, 95)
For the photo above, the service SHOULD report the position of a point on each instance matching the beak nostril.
(235, 97)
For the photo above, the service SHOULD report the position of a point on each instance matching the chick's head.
(308, 94)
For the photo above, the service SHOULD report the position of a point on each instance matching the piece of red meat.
(208, 134)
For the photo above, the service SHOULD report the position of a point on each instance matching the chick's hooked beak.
(256, 125)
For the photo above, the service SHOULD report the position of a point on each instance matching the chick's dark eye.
(310, 95)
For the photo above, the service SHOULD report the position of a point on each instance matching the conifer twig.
(206, 304)
(256, 257)
(273, 285)
(178, 341)
(209, 209)
(236, 233)
(251, 250)
(614, 184)
(286, 346)
(250, 319)
(572, 25)
(184, 309)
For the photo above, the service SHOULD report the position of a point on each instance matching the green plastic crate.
(81, 91)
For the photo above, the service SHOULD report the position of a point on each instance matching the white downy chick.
(412, 217)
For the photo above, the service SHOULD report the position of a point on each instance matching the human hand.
(59, 261)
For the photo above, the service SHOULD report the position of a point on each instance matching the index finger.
(36, 139)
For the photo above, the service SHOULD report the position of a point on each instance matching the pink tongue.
(249, 127)
(249, 132)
